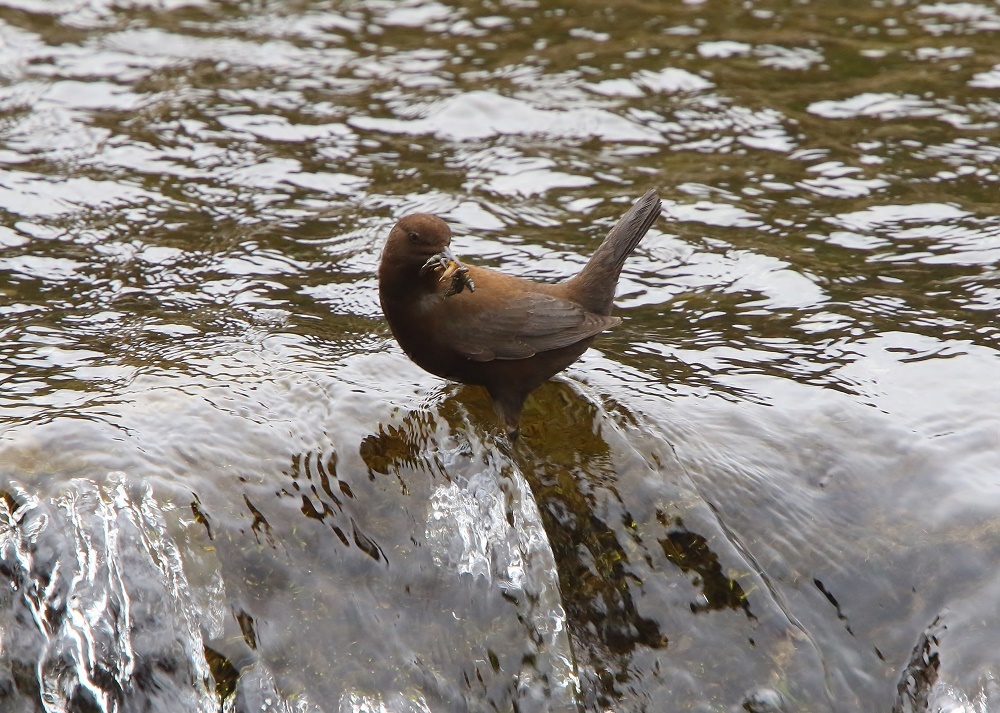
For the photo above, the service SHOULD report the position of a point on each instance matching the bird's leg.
(508, 405)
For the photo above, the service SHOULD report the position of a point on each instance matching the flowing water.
(775, 487)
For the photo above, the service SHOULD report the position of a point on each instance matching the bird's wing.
(520, 326)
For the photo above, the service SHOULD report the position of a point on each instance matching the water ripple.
(101, 583)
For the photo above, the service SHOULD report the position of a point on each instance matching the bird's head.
(414, 240)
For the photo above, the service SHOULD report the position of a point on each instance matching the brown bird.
(483, 327)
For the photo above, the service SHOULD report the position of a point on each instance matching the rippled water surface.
(223, 487)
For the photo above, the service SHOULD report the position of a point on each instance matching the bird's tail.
(594, 287)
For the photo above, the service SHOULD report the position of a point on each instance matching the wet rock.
(764, 700)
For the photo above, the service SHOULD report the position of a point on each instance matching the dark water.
(776, 487)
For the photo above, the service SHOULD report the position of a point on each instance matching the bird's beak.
(449, 255)
(442, 261)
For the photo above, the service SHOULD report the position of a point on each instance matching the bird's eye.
(413, 236)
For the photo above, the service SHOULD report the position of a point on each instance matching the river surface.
(775, 487)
